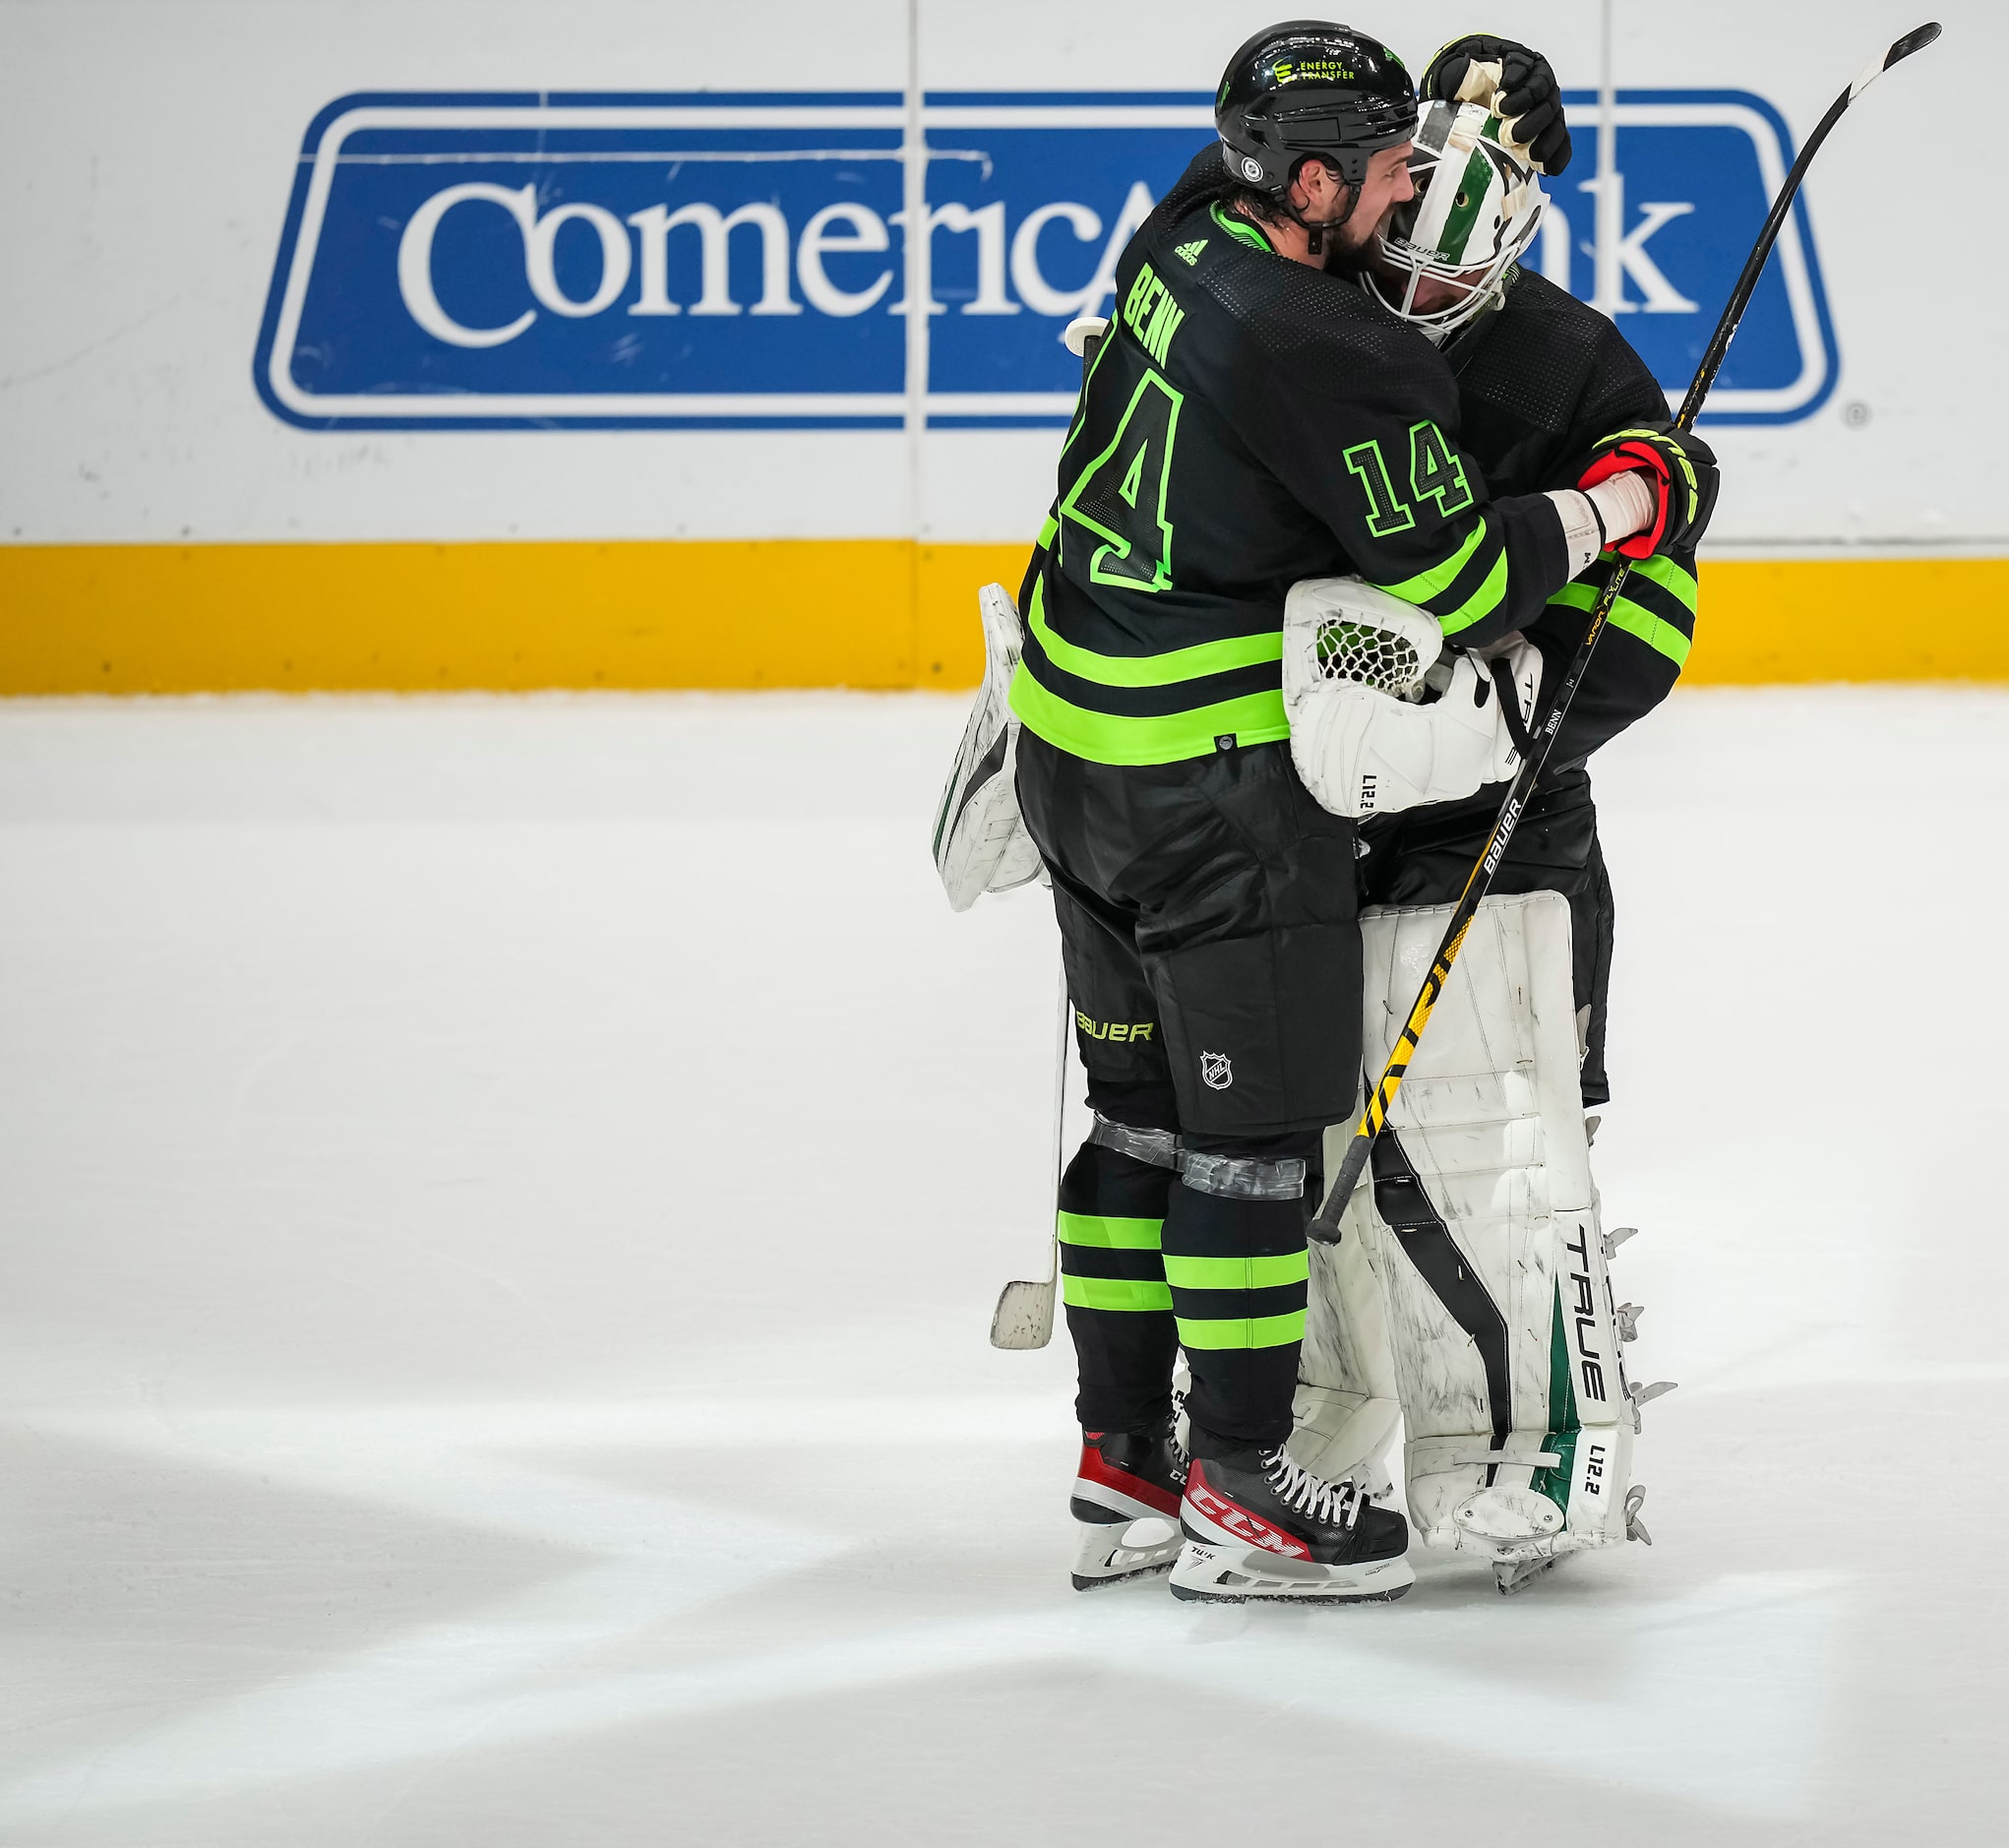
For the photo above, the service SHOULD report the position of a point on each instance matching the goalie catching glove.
(1356, 662)
(980, 841)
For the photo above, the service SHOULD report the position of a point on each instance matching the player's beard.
(1350, 250)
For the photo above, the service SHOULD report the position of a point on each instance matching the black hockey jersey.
(1539, 383)
(1247, 422)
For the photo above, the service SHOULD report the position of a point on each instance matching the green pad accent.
(1238, 1274)
(1247, 1332)
(1115, 1293)
(1554, 1482)
(1111, 1235)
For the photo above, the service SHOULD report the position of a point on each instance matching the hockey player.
(1543, 380)
(1252, 421)
(1470, 1289)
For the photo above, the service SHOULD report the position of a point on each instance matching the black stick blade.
(1916, 40)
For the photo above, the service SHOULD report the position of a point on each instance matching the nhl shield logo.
(1216, 1073)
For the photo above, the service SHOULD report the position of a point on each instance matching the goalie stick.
(1024, 1315)
(1325, 1226)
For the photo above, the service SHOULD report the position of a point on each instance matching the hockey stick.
(1024, 1315)
(1325, 1227)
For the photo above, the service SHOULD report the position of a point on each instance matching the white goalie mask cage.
(1477, 208)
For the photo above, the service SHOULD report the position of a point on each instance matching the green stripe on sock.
(1249, 1331)
(1113, 1235)
(1238, 1274)
(1116, 1293)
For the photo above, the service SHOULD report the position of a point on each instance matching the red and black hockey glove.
(1527, 95)
(1678, 466)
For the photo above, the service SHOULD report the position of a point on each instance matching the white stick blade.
(1024, 1315)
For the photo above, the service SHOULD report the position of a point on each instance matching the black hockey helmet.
(1308, 86)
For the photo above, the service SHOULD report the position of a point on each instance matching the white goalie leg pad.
(980, 841)
(1348, 1408)
(1482, 1223)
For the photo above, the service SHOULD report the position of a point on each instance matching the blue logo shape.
(545, 260)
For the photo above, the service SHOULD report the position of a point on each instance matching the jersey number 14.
(1434, 473)
(1119, 497)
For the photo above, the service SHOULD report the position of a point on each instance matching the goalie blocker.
(980, 841)
(1471, 1286)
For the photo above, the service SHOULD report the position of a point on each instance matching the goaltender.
(1253, 419)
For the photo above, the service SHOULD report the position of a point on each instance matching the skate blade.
(1114, 1552)
(1210, 1574)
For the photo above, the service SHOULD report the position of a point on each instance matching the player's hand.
(1513, 82)
(1678, 466)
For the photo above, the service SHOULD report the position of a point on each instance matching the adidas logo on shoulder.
(1190, 254)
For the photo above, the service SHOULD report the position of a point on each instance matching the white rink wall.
(150, 149)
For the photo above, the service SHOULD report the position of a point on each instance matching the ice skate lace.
(1338, 1504)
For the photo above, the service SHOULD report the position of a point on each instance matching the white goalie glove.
(980, 841)
(1356, 664)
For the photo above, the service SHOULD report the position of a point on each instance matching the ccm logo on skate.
(1115, 1031)
(537, 260)
(1240, 1522)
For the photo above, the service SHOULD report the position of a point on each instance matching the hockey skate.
(1258, 1526)
(1127, 1492)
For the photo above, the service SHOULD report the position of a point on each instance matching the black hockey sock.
(1238, 1272)
(1113, 1282)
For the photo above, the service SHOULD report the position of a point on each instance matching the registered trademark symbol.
(1855, 416)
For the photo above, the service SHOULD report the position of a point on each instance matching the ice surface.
(502, 1202)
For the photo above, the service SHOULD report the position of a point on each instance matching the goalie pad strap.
(1502, 671)
(1405, 1209)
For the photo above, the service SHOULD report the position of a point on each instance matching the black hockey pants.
(1207, 921)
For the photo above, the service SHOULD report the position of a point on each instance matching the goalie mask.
(1476, 206)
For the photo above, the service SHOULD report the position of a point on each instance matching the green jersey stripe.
(1250, 1331)
(1481, 603)
(1130, 1235)
(1113, 738)
(1123, 1295)
(1427, 583)
(1151, 670)
(1238, 1274)
(1634, 618)
(1671, 578)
